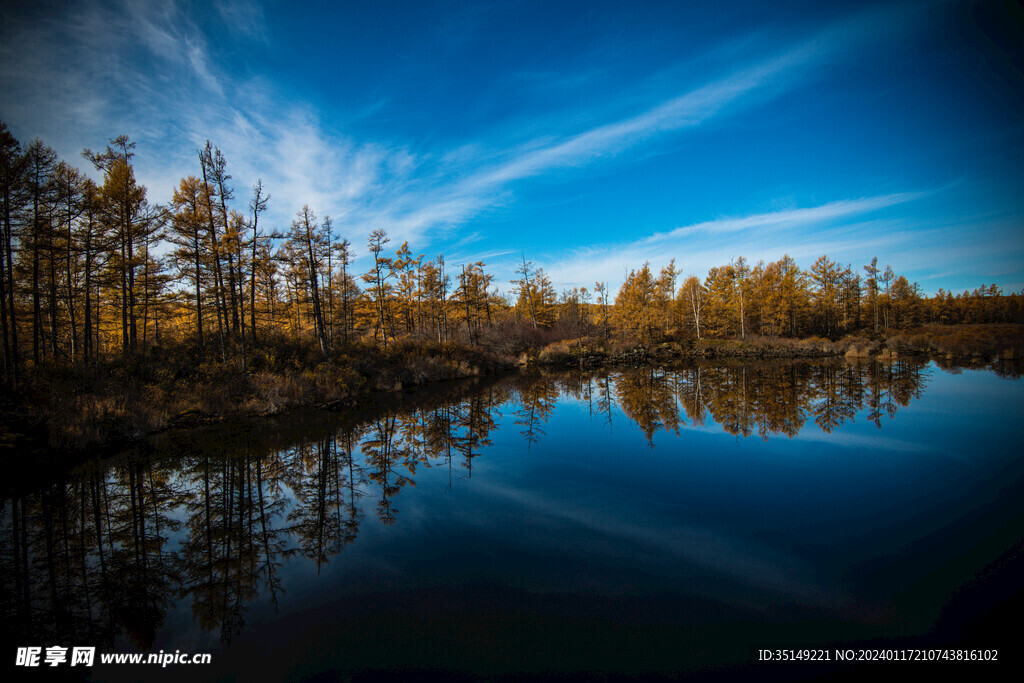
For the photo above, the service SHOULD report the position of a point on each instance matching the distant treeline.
(82, 278)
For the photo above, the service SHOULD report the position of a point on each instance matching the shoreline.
(68, 414)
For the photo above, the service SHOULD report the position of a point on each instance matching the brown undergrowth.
(79, 406)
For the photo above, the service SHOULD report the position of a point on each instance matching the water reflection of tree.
(891, 385)
(384, 450)
(605, 399)
(646, 397)
(102, 553)
(204, 554)
(233, 544)
(728, 399)
(453, 427)
(137, 529)
(766, 398)
(270, 504)
(689, 387)
(836, 395)
(435, 430)
(323, 521)
(83, 560)
(781, 403)
(537, 401)
(475, 421)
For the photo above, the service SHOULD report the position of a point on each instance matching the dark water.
(650, 522)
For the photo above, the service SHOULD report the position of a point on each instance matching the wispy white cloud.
(788, 218)
(914, 242)
(149, 69)
(471, 182)
(244, 19)
(146, 69)
(841, 229)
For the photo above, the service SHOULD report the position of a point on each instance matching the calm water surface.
(651, 521)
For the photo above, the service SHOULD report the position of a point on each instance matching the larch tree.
(826, 276)
(68, 187)
(435, 283)
(637, 304)
(536, 296)
(872, 284)
(741, 275)
(888, 276)
(719, 288)
(92, 239)
(257, 205)
(850, 296)
(406, 269)
(526, 289)
(347, 289)
(692, 296)
(206, 160)
(379, 289)
(216, 177)
(666, 285)
(186, 232)
(124, 208)
(602, 300)
(41, 161)
(13, 182)
(310, 244)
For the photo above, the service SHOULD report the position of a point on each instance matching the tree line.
(91, 271)
(780, 299)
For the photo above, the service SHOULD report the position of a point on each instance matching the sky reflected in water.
(639, 521)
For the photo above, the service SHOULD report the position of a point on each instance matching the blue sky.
(590, 136)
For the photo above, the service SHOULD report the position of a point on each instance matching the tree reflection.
(385, 451)
(322, 519)
(767, 398)
(215, 518)
(86, 559)
(537, 402)
(646, 398)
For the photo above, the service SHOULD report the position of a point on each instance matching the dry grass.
(961, 341)
(123, 399)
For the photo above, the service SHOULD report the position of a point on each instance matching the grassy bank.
(78, 407)
(75, 407)
(974, 343)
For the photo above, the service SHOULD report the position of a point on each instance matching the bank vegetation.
(120, 317)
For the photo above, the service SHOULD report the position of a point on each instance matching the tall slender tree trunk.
(218, 279)
(87, 313)
(465, 300)
(318, 322)
(124, 294)
(9, 370)
(145, 298)
(199, 297)
(132, 325)
(15, 351)
(252, 284)
(241, 310)
(36, 305)
(71, 294)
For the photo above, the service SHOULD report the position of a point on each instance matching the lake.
(647, 521)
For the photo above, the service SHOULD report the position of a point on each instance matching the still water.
(647, 521)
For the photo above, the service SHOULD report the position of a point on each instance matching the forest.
(98, 284)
